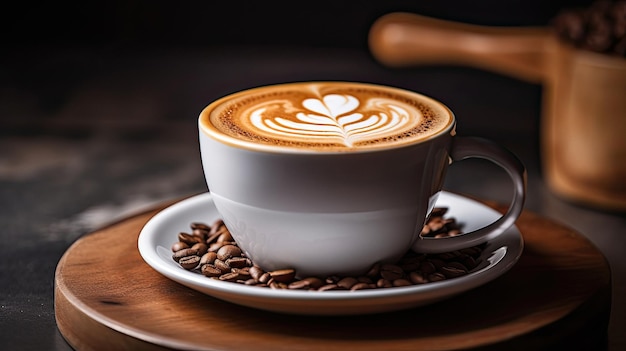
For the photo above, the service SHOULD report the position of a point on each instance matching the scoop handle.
(405, 39)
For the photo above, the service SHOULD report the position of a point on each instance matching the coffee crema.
(325, 116)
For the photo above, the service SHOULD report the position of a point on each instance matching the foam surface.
(326, 116)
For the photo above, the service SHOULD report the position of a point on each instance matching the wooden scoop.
(583, 129)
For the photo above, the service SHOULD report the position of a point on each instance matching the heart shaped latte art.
(338, 117)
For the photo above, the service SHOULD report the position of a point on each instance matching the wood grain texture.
(558, 294)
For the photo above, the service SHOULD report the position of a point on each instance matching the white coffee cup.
(332, 177)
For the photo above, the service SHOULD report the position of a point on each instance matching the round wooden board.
(558, 294)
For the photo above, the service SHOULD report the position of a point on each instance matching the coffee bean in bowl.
(600, 27)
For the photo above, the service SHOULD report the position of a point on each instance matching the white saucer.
(159, 233)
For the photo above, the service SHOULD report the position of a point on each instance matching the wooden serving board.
(557, 295)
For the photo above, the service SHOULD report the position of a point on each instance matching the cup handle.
(471, 147)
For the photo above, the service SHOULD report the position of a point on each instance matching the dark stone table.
(89, 135)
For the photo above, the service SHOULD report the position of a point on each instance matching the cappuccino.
(325, 116)
(328, 178)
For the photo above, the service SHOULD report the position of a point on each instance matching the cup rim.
(207, 129)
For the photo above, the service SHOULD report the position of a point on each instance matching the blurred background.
(99, 102)
(51, 49)
(190, 23)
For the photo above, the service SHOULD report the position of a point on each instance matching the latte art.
(325, 116)
(332, 117)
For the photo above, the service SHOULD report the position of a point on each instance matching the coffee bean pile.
(601, 27)
(211, 250)
(438, 226)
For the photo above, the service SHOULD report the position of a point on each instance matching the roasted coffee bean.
(312, 283)
(452, 272)
(417, 278)
(210, 270)
(229, 277)
(401, 282)
(383, 283)
(436, 224)
(215, 246)
(438, 212)
(361, 286)
(227, 251)
(256, 272)
(439, 227)
(299, 285)
(277, 285)
(329, 287)
(283, 275)
(212, 237)
(391, 272)
(208, 257)
(435, 277)
(243, 272)
(347, 283)
(225, 237)
(212, 252)
(237, 262)
(202, 234)
(265, 278)
(189, 239)
(177, 246)
(201, 248)
(200, 226)
(221, 265)
(184, 253)
(189, 262)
